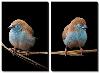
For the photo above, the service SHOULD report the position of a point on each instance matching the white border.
(49, 1)
(49, 36)
(0, 39)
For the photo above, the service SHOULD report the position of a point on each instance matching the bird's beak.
(10, 27)
(84, 27)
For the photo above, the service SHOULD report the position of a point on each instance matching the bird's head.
(80, 27)
(16, 27)
(19, 25)
(79, 23)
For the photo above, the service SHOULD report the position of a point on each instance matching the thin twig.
(38, 52)
(24, 58)
(31, 53)
(73, 52)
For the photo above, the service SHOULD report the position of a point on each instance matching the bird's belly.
(75, 39)
(21, 40)
(13, 38)
(82, 37)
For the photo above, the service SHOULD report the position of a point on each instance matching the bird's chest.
(21, 40)
(81, 36)
(75, 39)
(16, 37)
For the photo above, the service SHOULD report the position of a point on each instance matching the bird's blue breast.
(21, 39)
(75, 39)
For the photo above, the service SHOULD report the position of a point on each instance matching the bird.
(74, 34)
(21, 35)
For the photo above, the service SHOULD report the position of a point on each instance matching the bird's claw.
(12, 50)
(26, 53)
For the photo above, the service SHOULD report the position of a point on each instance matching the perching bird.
(74, 34)
(21, 35)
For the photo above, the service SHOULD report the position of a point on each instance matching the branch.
(31, 53)
(24, 58)
(73, 52)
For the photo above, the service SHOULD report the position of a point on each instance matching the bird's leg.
(65, 50)
(81, 50)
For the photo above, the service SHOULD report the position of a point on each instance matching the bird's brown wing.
(28, 29)
(65, 32)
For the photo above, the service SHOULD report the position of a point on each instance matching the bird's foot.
(26, 53)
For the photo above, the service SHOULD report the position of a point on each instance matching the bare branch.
(73, 52)
(31, 53)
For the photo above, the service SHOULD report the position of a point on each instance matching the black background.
(62, 14)
(36, 15)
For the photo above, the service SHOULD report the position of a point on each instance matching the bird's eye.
(16, 25)
(81, 26)
(13, 26)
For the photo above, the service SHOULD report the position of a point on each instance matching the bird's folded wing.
(65, 32)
